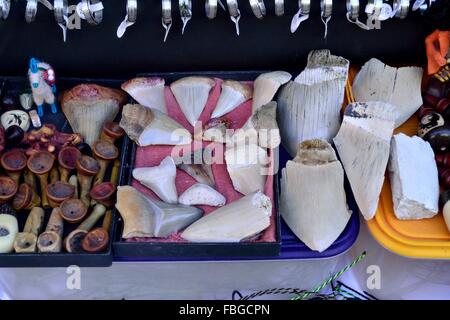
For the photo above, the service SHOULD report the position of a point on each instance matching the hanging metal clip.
(92, 11)
(304, 6)
(130, 18)
(401, 9)
(235, 14)
(61, 12)
(258, 8)
(5, 6)
(166, 19)
(185, 12)
(326, 7)
(279, 7)
(353, 14)
(211, 8)
(31, 10)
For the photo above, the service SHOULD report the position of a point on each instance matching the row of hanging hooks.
(92, 12)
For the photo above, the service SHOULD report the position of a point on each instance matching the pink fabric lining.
(152, 155)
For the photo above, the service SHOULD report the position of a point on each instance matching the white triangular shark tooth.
(147, 126)
(401, 87)
(266, 86)
(363, 143)
(88, 107)
(263, 126)
(233, 94)
(192, 94)
(247, 165)
(313, 196)
(148, 92)
(414, 178)
(145, 217)
(201, 194)
(309, 107)
(234, 222)
(160, 179)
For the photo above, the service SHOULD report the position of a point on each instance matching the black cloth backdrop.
(207, 45)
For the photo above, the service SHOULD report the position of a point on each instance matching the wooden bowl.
(96, 240)
(104, 193)
(14, 160)
(41, 162)
(73, 210)
(105, 150)
(87, 166)
(68, 156)
(112, 131)
(26, 198)
(59, 191)
(8, 188)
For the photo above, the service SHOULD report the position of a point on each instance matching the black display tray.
(148, 251)
(63, 259)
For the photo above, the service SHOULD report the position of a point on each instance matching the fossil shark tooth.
(247, 166)
(197, 164)
(148, 92)
(233, 95)
(234, 222)
(160, 179)
(313, 196)
(147, 126)
(400, 87)
(88, 107)
(145, 217)
(414, 178)
(363, 143)
(192, 94)
(309, 107)
(266, 86)
(201, 194)
(262, 127)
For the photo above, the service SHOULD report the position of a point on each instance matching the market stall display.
(49, 179)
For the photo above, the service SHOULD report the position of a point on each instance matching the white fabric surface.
(401, 278)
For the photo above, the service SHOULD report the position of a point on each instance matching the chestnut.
(429, 122)
(439, 138)
(14, 135)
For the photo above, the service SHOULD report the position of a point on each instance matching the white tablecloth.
(401, 278)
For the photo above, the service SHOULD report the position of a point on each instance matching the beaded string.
(332, 278)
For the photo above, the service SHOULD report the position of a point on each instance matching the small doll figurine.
(42, 82)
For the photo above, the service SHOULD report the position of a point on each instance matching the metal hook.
(353, 9)
(185, 12)
(211, 8)
(279, 7)
(235, 14)
(258, 8)
(326, 7)
(5, 6)
(61, 11)
(304, 6)
(92, 11)
(132, 9)
(353, 14)
(166, 19)
(31, 10)
(401, 8)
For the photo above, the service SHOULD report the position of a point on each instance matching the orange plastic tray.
(426, 238)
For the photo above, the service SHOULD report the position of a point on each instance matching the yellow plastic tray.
(424, 239)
